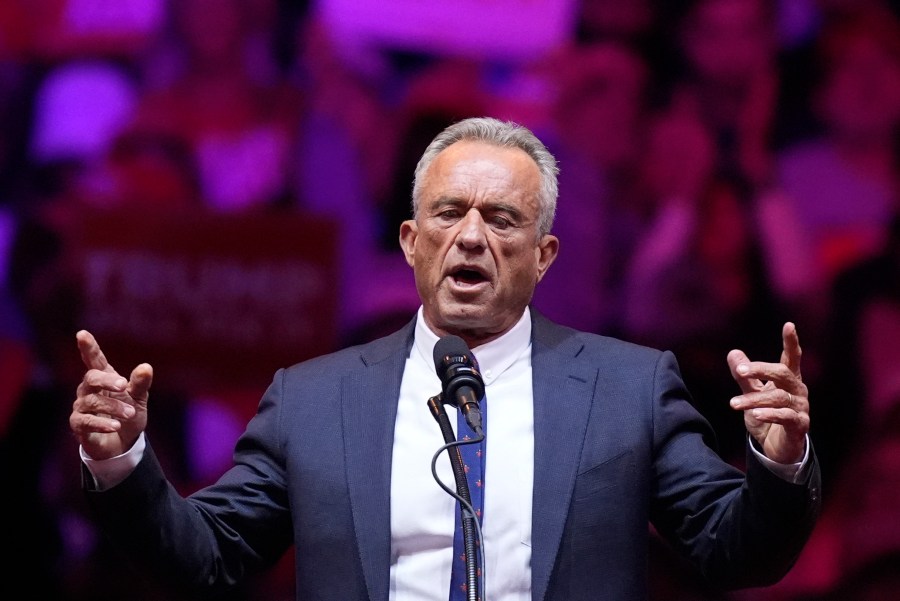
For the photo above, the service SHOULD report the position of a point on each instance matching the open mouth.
(468, 277)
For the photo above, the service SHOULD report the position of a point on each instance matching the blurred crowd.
(725, 166)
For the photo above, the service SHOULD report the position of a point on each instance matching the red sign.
(210, 300)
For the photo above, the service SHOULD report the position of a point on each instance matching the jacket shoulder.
(356, 356)
(549, 335)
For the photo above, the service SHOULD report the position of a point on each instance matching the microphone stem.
(436, 405)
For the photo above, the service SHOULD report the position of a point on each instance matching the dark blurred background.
(216, 186)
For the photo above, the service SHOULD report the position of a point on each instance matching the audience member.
(602, 87)
(241, 132)
(862, 384)
(840, 184)
(852, 554)
(343, 166)
(695, 279)
(730, 78)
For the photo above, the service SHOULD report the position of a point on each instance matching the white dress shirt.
(423, 514)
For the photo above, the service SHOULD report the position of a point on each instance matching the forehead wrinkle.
(480, 182)
(476, 171)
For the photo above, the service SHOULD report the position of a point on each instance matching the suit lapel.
(563, 394)
(369, 407)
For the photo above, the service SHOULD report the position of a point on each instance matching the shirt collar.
(494, 357)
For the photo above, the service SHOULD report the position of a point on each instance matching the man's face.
(474, 245)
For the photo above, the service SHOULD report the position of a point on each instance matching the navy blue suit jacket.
(617, 445)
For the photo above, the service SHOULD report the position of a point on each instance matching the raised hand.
(109, 412)
(775, 401)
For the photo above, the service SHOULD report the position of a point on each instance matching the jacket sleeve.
(210, 541)
(739, 529)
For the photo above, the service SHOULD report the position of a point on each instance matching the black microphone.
(460, 379)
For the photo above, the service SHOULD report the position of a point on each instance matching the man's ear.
(546, 251)
(409, 230)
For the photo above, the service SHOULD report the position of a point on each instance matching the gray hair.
(499, 133)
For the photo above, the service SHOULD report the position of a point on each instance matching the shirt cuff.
(794, 473)
(109, 472)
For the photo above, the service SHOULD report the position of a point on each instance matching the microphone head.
(449, 350)
(456, 367)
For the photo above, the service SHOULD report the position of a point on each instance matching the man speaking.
(587, 439)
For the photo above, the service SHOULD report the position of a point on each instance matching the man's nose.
(472, 230)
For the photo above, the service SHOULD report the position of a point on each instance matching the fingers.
(776, 405)
(753, 375)
(792, 421)
(109, 412)
(739, 365)
(84, 424)
(95, 380)
(790, 354)
(91, 355)
(774, 398)
(775, 401)
(96, 399)
(760, 372)
(103, 396)
(109, 394)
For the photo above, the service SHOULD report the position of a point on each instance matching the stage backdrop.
(211, 301)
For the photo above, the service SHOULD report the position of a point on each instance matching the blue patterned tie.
(473, 459)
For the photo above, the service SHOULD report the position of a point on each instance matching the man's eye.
(501, 222)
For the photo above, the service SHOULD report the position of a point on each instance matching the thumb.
(140, 381)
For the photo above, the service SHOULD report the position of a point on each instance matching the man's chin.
(462, 315)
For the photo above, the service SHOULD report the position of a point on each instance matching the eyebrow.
(444, 201)
(490, 206)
